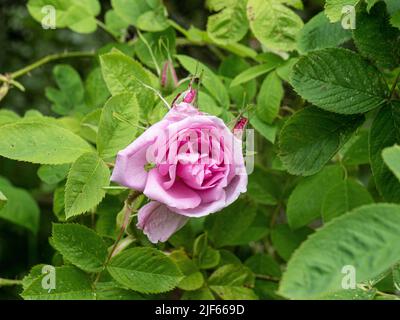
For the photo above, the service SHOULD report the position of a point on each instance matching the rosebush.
(88, 209)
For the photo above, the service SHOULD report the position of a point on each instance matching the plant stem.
(265, 277)
(49, 58)
(10, 282)
(393, 90)
(127, 215)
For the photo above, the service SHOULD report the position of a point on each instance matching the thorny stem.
(127, 215)
(10, 282)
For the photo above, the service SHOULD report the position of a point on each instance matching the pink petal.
(158, 222)
(177, 196)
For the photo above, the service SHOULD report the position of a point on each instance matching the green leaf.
(333, 8)
(209, 79)
(53, 174)
(343, 197)
(373, 33)
(8, 116)
(115, 24)
(355, 151)
(362, 238)
(3, 201)
(96, 92)
(268, 131)
(69, 96)
(273, 24)
(18, 206)
(232, 282)
(230, 24)
(153, 21)
(391, 156)
(145, 270)
(130, 10)
(256, 71)
(193, 279)
(200, 294)
(226, 227)
(351, 294)
(111, 291)
(385, 132)
(28, 140)
(306, 200)
(204, 255)
(395, 20)
(286, 241)
(269, 98)
(84, 188)
(122, 74)
(79, 245)
(339, 80)
(70, 284)
(311, 137)
(262, 264)
(118, 124)
(78, 15)
(320, 33)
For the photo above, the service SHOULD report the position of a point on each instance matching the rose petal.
(158, 222)
(178, 196)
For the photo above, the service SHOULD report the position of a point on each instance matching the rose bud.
(169, 80)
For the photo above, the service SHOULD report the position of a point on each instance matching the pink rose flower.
(197, 168)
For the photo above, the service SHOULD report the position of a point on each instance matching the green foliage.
(79, 245)
(84, 188)
(340, 81)
(145, 270)
(368, 249)
(324, 190)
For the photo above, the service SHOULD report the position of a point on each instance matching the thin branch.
(9, 282)
(49, 58)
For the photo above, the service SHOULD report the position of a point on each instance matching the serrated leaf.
(8, 116)
(200, 294)
(385, 132)
(362, 238)
(373, 33)
(145, 270)
(391, 156)
(230, 24)
(269, 98)
(343, 197)
(118, 124)
(28, 140)
(339, 80)
(232, 282)
(306, 200)
(320, 33)
(273, 24)
(153, 21)
(71, 284)
(209, 79)
(351, 294)
(334, 8)
(130, 11)
(268, 131)
(122, 74)
(355, 151)
(79, 245)
(311, 137)
(85, 182)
